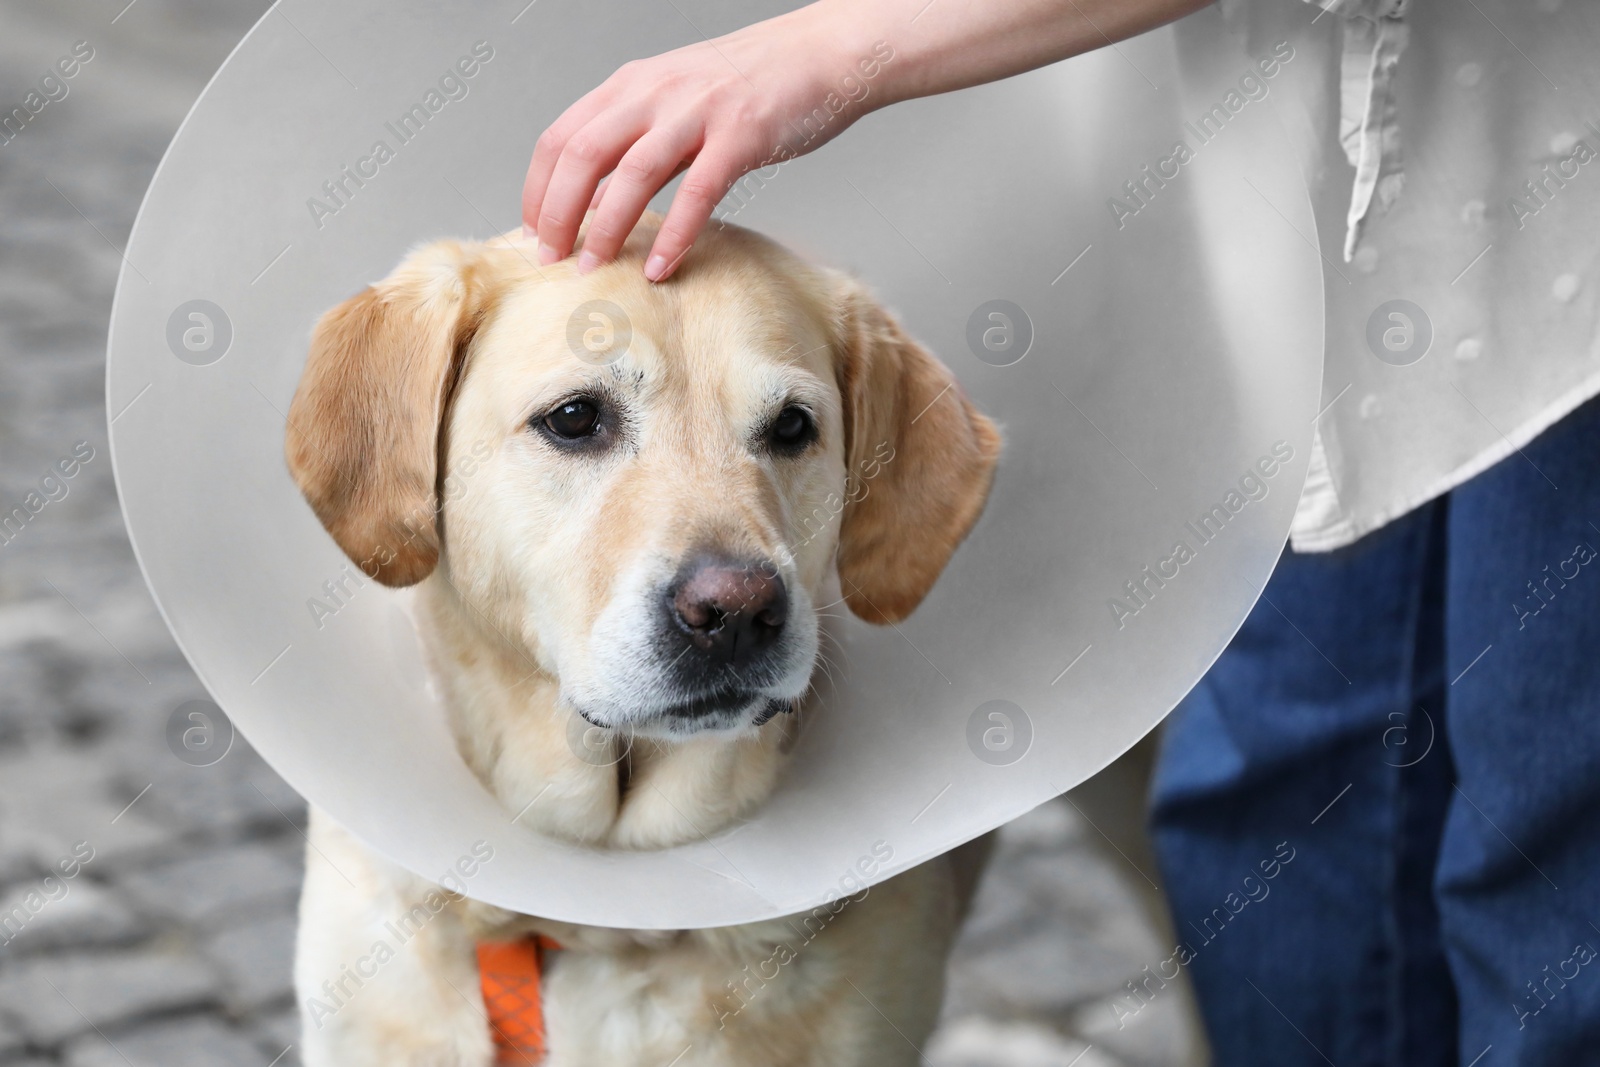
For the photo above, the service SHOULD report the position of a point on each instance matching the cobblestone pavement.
(169, 946)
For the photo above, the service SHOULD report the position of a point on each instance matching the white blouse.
(1452, 149)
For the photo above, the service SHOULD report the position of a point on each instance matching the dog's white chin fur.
(624, 683)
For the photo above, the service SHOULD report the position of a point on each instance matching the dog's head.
(645, 489)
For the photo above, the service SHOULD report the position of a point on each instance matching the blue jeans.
(1414, 722)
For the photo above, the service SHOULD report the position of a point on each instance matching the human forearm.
(944, 45)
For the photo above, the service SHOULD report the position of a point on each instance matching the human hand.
(718, 110)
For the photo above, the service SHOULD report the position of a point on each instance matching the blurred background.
(171, 946)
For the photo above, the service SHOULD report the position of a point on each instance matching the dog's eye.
(574, 419)
(792, 430)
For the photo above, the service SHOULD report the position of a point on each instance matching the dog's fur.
(416, 435)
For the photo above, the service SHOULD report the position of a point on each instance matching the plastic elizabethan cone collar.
(1116, 258)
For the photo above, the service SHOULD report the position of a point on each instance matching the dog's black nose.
(732, 610)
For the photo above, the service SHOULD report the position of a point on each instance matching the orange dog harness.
(509, 973)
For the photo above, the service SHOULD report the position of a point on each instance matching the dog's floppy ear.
(363, 433)
(919, 459)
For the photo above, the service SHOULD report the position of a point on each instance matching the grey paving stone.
(239, 793)
(57, 795)
(1041, 973)
(276, 1031)
(1163, 1033)
(226, 884)
(197, 1041)
(57, 913)
(1055, 932)
(16, 865)
(976, 1041)
(256, 960)
(1051, 926)
(53, 998)
(39, 698)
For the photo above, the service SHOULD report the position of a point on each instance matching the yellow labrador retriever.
(641, 527)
